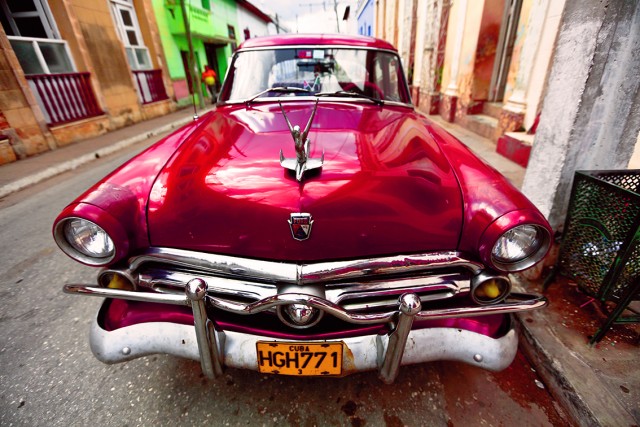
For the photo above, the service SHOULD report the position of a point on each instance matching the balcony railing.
(65, 97)
(150, 86)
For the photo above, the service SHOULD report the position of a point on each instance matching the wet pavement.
(515, 396)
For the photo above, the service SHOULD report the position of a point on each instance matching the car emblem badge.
(300, 224)
(302, 162)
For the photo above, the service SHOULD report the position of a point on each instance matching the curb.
(570, 378)
(551, 372)
(52, 171)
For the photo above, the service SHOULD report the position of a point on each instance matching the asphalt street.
(48, 376)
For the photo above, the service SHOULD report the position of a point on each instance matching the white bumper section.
(363, 353)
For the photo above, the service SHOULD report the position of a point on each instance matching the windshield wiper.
(280, 89)
(351, 94)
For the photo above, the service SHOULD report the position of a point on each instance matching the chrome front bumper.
(363, 353)
(386, 353)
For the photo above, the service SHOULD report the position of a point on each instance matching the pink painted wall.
(180, 89)
(486, 48)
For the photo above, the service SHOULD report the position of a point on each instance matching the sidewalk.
(485, 149)
(25, 173)
(596, 386)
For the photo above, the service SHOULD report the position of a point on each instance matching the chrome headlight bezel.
(62, 234)
(527, 243)
(502, 226)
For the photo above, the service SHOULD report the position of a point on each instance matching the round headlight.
(520, 247)
(90, 242)
(516, 244)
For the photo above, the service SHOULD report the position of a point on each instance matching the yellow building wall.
(93, 24)
(64, 24)
(448, 51)
(89, 30)
(521, 35)
(469, 29)
(21, 130)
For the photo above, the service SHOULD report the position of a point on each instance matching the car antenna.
(191, 61)
(193, 101)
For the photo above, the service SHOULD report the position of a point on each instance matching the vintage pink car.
(313, 223)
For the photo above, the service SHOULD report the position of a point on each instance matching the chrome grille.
(368, 286)
(358, 296)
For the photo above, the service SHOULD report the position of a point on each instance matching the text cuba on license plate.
(295, 358)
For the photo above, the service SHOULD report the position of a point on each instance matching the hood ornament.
(302, 162)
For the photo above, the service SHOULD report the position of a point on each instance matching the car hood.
(385, 186)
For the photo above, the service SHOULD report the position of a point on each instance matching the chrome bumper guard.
(216, 349)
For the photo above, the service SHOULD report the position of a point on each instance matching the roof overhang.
(254, 9)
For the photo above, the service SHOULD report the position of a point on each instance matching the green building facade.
(213, 25)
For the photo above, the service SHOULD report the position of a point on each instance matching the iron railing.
(64, 97)
(150, 86)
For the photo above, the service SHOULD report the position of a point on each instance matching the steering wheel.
(372, 87)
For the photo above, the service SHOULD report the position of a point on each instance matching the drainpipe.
(195, 77)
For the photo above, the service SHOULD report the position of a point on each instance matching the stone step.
(483, 125)
(492, 109)
(516, 146)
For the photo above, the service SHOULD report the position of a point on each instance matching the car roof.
(316, 39)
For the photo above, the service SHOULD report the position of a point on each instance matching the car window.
(386, 75)
(315, 69)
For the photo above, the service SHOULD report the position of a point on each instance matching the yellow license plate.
(303, 359)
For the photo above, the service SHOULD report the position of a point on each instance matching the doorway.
(211, 53)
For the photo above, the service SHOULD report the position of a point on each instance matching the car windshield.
(305, 71)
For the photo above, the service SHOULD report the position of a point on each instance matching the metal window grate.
(601, 243)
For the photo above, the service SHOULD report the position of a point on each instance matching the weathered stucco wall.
(65, 26)
(21, 133)
(88, 28)
(522, 34)
(634, 162)
(591, 113)
(390, 19)
(428, 17)
(449, 46)
(542, 59)
(405, 19)
(470, 50)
